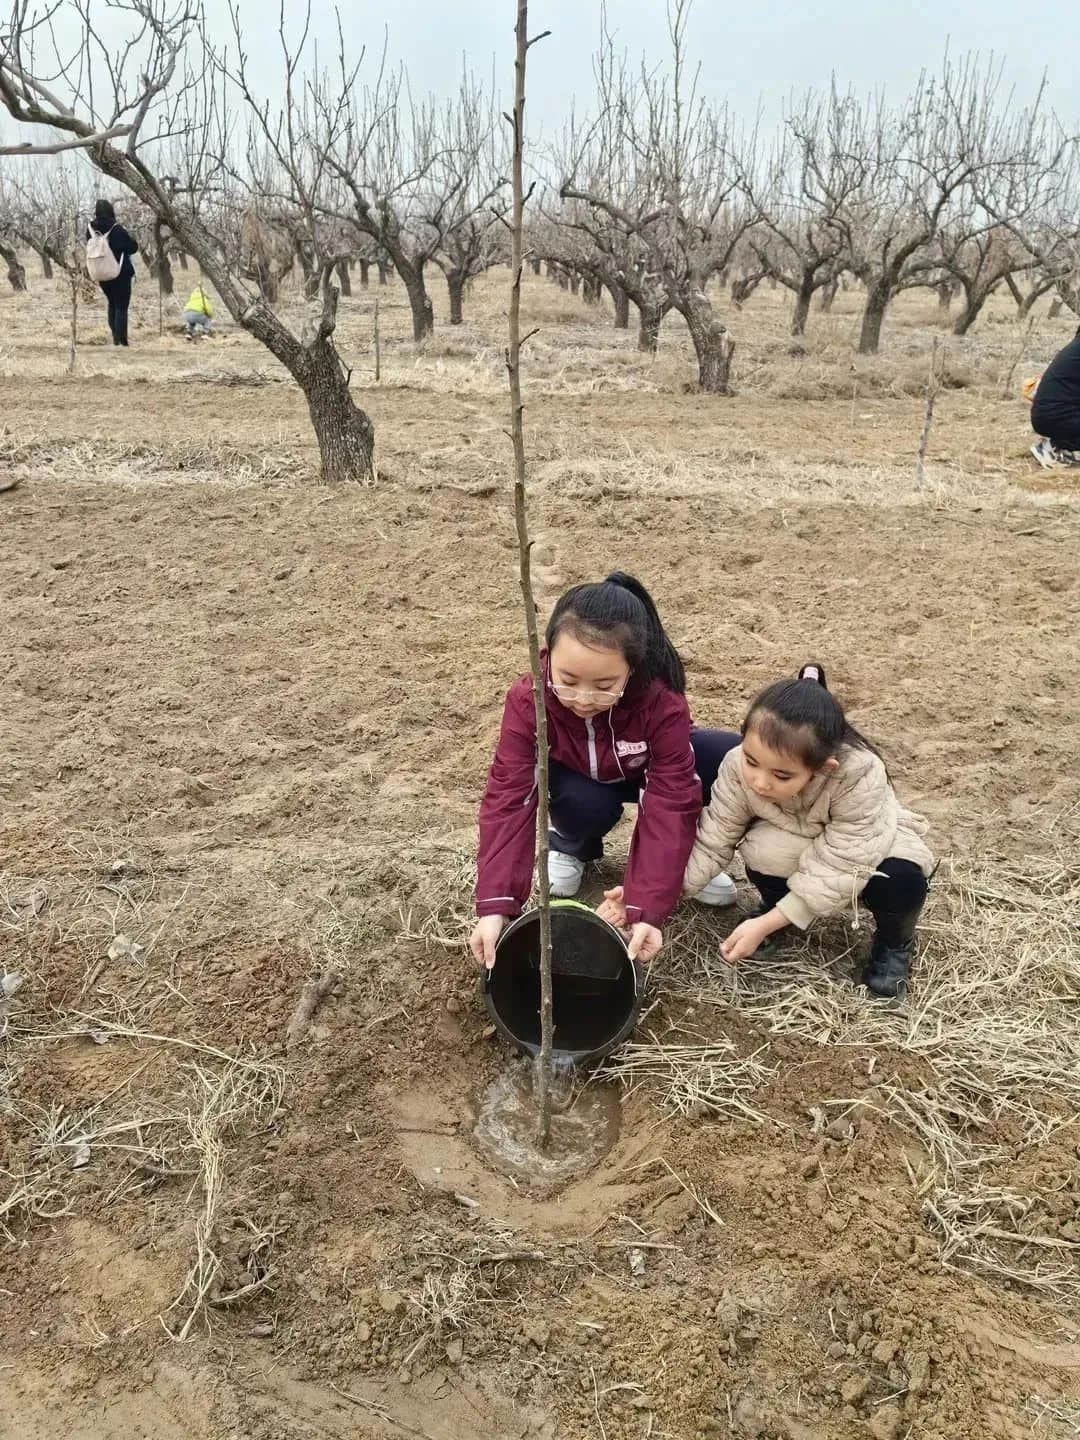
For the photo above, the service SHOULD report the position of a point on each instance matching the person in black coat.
(1055, 410)
(117, 292)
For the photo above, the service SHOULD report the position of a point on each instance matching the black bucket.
(595, 987)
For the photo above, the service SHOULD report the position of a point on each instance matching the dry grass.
(27, 454)
(991, 1017)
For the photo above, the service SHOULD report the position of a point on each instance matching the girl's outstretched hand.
(613, 910)
(745, 938)
(485, 936)
(646, 942)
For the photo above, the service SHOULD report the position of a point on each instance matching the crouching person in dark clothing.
(110, 265)
(1055, 410)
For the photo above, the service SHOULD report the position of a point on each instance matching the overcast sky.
(752, 52)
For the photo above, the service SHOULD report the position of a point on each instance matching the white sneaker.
(1045, 454)
(564, 874)
(719, 891)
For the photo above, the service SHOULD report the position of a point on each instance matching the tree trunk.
(535, 263)
(803, 297)
(16, 272)
(944, 298)
(345, 434)
(384, 273)
(878, 295)
(1051, 314)
(46, 266)
(744, 287)
(828, 295)
(622, 305)
(649, 317)
(344, 278)
(974, 300)
(162, 267)
(455, 283)
(365, 266)
(182, 259)
(713, 346)
(423, 314)
(313, 280)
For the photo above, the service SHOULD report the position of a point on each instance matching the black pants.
(893, 897)
(583, 810)
(118, 294)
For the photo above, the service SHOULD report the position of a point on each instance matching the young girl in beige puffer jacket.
(808, 803)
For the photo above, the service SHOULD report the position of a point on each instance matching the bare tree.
(1039, 204)
(474, 233)
(145, 88)
(673, 158)
(811, 178)
(401, 180)
(949, 142)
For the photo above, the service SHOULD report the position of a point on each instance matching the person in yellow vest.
(198, 313)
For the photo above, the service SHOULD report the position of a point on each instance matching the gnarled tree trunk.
(713, 346)
(345, 434)
(15, 270)
(535, 263)
(384, 272)
(423, 313)
(162, 268)
(365, 266)
(744, 287)
(803, 296)
(975, 297)
(828, 295)
(46, 265)
(878, 295)
(649, 318)
(621, 301)
(455, 284)
(344, 278)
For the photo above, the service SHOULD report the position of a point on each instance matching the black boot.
(891, 955)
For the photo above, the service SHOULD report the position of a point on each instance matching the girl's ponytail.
(662, 660)
(801, 717)
(619, 612)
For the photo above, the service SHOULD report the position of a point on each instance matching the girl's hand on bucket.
(485, 937)
(646, 942)
(613, 910)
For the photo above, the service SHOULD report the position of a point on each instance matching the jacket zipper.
(592, 749)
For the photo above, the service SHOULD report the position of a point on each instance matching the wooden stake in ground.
(73, 342)
(933, 385)
(517, 435)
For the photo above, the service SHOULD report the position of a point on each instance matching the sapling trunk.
(517, 435)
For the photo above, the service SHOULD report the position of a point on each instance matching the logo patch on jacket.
(631, 747)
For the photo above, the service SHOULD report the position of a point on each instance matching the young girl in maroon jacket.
(619, 733)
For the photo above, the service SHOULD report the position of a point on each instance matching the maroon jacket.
(645, 738)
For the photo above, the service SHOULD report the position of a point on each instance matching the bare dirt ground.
(245, 725)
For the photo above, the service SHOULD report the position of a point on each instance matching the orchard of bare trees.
(655, 193)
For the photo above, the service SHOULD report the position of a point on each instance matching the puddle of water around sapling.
(584, 1126)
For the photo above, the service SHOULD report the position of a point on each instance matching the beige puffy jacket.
(826, 841)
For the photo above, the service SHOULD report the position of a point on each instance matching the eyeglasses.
(586, 697)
